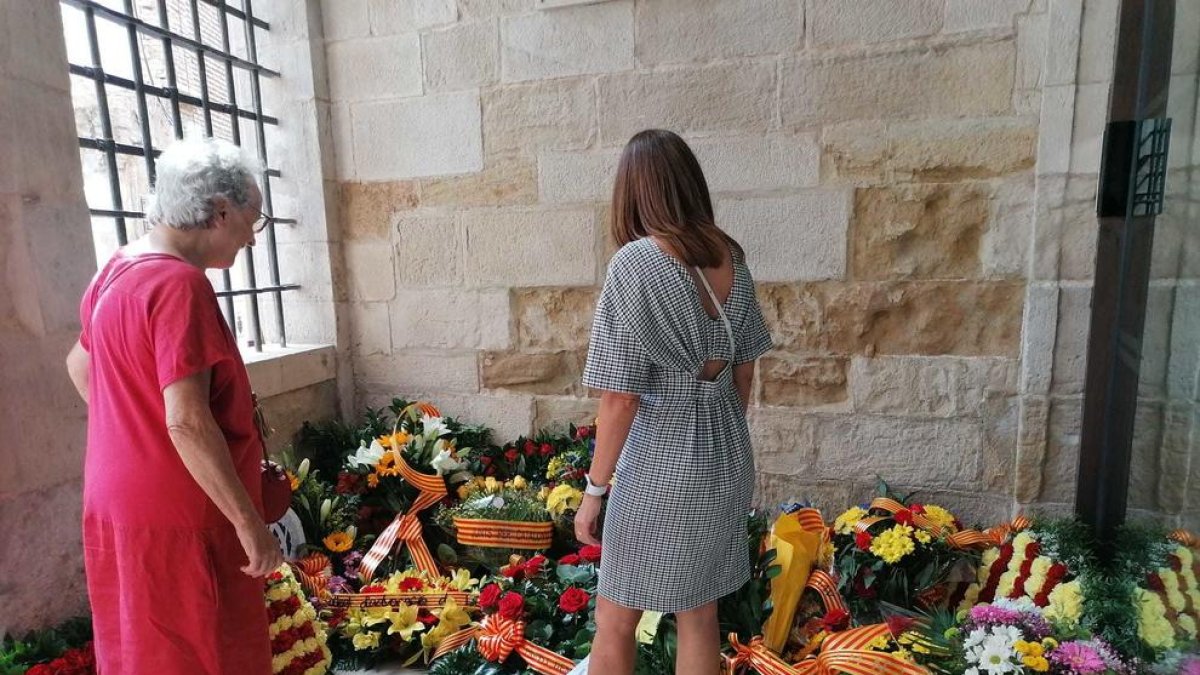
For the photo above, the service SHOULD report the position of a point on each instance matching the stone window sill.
(276, 370)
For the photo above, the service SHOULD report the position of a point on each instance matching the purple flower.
(1078, 658)
(1191, 666)
(991, 615)
(338, 585)
(350, 564)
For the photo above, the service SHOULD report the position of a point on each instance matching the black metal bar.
(138, 151)
(272, 248)
(169, 57)
(233, 11)
(261, 290)
(251, 280)
(1123, 255)
(166, 93)
(108, 213)
(205, 104)
(135, 52)
(157, 32)
(110, 157)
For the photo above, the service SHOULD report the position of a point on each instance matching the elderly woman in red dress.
(175, 546)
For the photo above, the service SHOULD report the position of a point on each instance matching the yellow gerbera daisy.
(388, 465)
(338, 542)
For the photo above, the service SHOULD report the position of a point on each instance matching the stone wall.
(879, 162)
(47, 259)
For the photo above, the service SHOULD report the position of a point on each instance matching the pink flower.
(1078, 657)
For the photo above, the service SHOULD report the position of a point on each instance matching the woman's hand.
(262, 550)
(587, 521)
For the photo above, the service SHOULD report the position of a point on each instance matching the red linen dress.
(163, 564)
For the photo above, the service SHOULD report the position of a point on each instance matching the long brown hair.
(660, 191)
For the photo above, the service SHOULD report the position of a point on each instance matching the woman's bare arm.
(77, 368)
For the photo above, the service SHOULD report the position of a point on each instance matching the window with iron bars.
(144, 73)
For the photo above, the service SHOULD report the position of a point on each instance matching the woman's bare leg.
(699, 651)
(615, 646)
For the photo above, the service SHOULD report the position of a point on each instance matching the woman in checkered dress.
(675, 336)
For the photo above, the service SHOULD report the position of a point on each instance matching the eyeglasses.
(263, 222)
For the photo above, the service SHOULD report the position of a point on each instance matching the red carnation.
(1176, 563)
(836, 619)
(412, 584)
(583, 432)
(512, 605)
(530, 447)
(916, 508)
(40, 669)
(489, 597)
(590, 553)
(1155, 583)
(573, 600)
(348, 483)
(491, 471)
(426, 617)
(862, 540)
(485, 460)
(904, 517)
(514, 572)
(511, 454)
(373, 588)
(569, 559)
(546, 449)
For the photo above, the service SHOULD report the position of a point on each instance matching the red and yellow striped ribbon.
(406, 528)
(999, 533)
(503, 534)
(844, 652)
(954, 538)
(1184, 538)
(313, 572)
(826, 586)
(498, 638)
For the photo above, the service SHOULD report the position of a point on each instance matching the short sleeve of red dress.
(186, 329)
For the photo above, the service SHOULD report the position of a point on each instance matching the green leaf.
(447, 554)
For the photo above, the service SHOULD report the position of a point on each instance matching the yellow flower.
(388, 465)
(1153, 627)
(464, 490)
(338, 542)
(452, 615)
(372, 480)
(880, 643)
(923, 536)
(1036, 663)
(1188, 624)
(492, 485)
(294, 480)
(1066, 604)
(367, 640)
(395, 441)
(1049, 644)
(519, 483)
(825, 558)
(844, 524)
(461, 581)
(543, 494)
(938, 516)
(432, 638)
(403, 621)
(563, 498)
(893, 544)
(1028, 648)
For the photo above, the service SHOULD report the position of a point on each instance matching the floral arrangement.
(64, 649)
(1020, 569)
(1169, 603)
(298, 638)
(904, 553)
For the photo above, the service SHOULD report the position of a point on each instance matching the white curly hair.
(194, 171)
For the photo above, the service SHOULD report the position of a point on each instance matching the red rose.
(590, 554)
(530, 448)
(862, 590)
(348, 483)
(583, 432)
(512, 606)
(511, 454)
(917, 508)
(534, 566)
(904, 517)
(862, 540)
(490, 471)
(569, 559)
(836, 619)
(573, 600)
(546, 449)
(426, 617)
(485, 460)
(40, 669)
(411, 584)
(489, 596)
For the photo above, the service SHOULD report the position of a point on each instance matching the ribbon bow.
(844, 652)
(313, 571)
(406, 528)
(955, 538)
(1184, 538)
(498, 637)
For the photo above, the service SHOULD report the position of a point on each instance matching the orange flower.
(373, 480)
(338, 542)
(395, 441)
(293, 480)
(387, 465)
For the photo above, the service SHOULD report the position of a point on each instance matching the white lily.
(367, 456)
(445, 462)
(433, 427)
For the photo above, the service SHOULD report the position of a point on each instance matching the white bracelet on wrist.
(593, 489)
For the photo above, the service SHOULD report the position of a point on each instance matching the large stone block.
(370, 329)
(1147, 464)
(490, 9)
(1032, 37)
(389, 17)
(924, 453)
(429, 249)
(558, 411)
(427, 136)
(39, 153)
(554, 318)
(562, 43)
(949, 81)
(1185, 338)
(450, 318)
(833, 22)
(1004, 251)
(506, 180)
(676, 31)
(784, 442)
(916, 318)
(773, 162)
(1062, 53)
(550, 373)
(1071, 337)
(1001, 416)
(508, 415)
(772, 490)
(1156, 342)
(375, 68)
(553, 115)
(461, 57)
(925, 232)
(968, 15)
(409, 373)
(1091, 114)
(289, 411)
(801, 237)
(1098, 40)
(929, 386)
(1062, 451)
(371, 272)
(1175, 456)
(722, 98)
(565, 177)
(34, 51)
(803, 382)
(1040, 330)
(510, 247)
(365, 209)
(342, 20)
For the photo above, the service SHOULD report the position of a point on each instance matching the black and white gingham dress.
(675, 528)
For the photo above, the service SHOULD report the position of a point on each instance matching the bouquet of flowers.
(523, 457)
(902, 552)
(298, 638)
(66, 648)
(496, 519)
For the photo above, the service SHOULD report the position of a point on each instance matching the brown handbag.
(276, 486)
